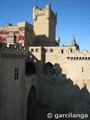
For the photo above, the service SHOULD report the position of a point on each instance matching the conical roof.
(73, 41)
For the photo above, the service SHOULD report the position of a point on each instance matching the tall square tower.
(45, 23)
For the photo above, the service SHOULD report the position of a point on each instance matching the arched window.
(48, 68)
(30, 68)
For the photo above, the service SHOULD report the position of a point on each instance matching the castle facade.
(39, 76)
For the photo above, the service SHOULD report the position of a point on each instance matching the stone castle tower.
(45, 21)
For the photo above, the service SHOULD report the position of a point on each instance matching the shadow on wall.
(42, 40)
(31, 102)
(50, 69)
(58, 95)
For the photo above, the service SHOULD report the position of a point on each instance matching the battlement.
(13, 51)
(9, 26)
(64, 50)
(78, 55)
(31, 77)
(78, 52)
(47, 12)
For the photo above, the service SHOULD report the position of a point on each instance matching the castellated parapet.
(12, 51)
(47, 12)
(78, 55)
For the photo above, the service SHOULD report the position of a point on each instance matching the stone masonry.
(37, 75)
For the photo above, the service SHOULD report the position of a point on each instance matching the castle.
(37, 75)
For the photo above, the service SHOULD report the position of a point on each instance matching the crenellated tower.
(45, 21)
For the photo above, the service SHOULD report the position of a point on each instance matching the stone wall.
(23, 32)
(14, 85)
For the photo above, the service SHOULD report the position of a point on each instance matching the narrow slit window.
(16, 74)
(82, 69)
(71, 50)
(62, 51)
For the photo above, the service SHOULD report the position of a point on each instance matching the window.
(82, 69)
(71, 50)
(30, 68)
(82, 58)
(62, 51)
(32, 50)
(88, 58)
(37, 50)
(16, 74)
(85, 58)
(51, 50)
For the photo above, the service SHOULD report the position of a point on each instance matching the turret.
(48, 8)
(57, 41)
(74, 43)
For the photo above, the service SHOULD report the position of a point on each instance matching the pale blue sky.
(73, 17)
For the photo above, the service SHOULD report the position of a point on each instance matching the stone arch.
(30, 68)
(48, 68)
(31, 103)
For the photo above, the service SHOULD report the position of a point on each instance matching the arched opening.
(30, 68)
(31, 103)
(48, 68)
